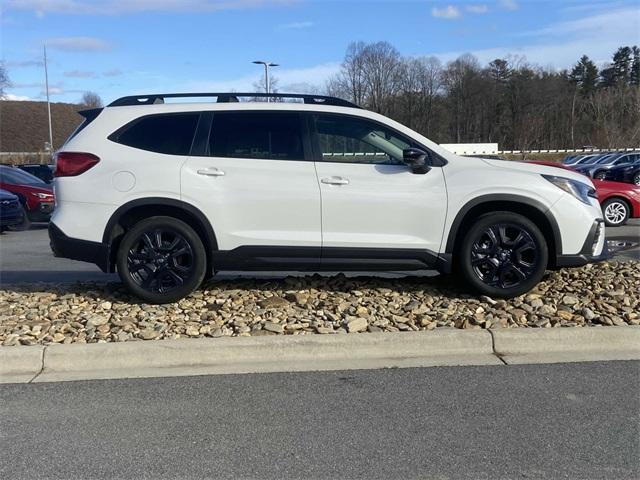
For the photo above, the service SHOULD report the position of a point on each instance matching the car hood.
(539, 169)
(4, 195)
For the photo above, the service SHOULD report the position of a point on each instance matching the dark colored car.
(11, 212)
(599, 170)
(625, 173)
(35, 196)
(43, 172)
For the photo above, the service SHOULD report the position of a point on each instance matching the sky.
(124, 47)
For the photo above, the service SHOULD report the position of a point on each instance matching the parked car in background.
(11, 212)
(625, 173)
(599, 169)
(35, 196)
(585, 159)
(43, 172)
(619, 201)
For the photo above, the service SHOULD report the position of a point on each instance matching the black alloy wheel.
(600, 175)
(503, 255)
(161, 260)
(636, 179)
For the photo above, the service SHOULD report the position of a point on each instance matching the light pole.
(46, 86)
(266, 73)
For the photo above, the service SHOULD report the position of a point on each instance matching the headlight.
(579, 190)
(42, 196)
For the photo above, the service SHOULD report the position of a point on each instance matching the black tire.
(25, 225)
(601, 175)
(636, 179)
(503, 254)
(161, 260)
(615, 212)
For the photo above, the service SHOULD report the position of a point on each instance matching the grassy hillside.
(24, 126)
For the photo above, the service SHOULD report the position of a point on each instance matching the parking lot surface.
(501, 422)
(25, 257)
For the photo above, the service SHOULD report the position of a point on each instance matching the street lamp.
(266, 73)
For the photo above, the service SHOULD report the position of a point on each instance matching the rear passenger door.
(253, 177)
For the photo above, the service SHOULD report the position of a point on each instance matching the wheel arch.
(132, 212)
(532, 209)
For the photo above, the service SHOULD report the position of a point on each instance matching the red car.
(619, 201)
(35, 196)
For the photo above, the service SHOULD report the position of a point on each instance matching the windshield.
(14, 176)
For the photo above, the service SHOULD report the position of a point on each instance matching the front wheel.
(161, 260)
(636, 179)
(503, 254)
(615, 212)
(600, 175)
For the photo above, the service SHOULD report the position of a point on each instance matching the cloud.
(114, 72)
(508, 4)
(559, 45)
(449, 12)
(18, 98)
(295, 26)
(477, 8)
(79, 74)
(78, 44)
(117, 7)
(314, 76)
(23, 63)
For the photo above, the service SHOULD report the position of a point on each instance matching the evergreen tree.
(585, 75)
(635, 67)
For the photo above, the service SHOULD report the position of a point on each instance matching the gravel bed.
(603, 294)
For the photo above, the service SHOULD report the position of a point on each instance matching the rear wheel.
(161, 260)
(636, 179)
(503, 254)
(615, 211)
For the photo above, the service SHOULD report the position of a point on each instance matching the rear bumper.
(594, 243)
(75, 249)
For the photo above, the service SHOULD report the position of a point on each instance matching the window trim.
(211, 114)
(436, 160)
(115, 136)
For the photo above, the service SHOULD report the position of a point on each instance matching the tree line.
(512, 102)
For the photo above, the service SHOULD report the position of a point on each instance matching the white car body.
(284, 203)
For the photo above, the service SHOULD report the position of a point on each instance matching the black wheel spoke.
(161, 260)
(504, 255)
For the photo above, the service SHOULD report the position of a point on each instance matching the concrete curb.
(446, 347)
(555, 345)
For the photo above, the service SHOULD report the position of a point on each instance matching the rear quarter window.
(171, 133)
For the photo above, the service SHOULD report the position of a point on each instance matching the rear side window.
(262, 135)
(171, 134)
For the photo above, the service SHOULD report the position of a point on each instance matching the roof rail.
(229, 97)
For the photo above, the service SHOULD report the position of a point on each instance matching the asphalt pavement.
(577, 421)
(25, 257)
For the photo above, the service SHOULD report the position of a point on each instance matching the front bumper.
(75, 249)
(594, 243)
(42, 213)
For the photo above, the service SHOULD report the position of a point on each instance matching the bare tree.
(5, 82)
(91, 100)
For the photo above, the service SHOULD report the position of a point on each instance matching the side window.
(261, 135)
(170, 133)
(354, 140)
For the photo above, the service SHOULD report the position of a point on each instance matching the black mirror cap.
(417, 159)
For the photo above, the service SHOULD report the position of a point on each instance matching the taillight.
(71, 164)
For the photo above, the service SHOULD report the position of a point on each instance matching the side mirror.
(417, 159)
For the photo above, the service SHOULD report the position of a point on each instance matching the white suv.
(167, 194)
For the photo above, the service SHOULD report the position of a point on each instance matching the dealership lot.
(25, 257)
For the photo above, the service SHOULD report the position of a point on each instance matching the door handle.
(211, 172)
(335, 181)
